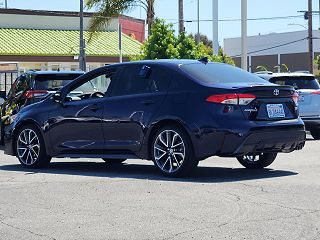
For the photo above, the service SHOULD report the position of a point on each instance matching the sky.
(228, 9)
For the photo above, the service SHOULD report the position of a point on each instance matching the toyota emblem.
(276, 92)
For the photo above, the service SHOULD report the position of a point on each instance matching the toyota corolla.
(173, 112)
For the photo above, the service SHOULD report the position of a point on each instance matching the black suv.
(32, 87)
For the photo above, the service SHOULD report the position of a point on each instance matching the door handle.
(147, 102)
(94, 107)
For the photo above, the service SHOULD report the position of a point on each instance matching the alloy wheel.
(28, 147)
(169, 151)
(251, 158)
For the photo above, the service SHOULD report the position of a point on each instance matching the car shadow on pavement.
(139, 171)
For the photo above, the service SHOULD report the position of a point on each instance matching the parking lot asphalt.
(89, 199)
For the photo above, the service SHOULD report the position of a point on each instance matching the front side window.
(97, 86)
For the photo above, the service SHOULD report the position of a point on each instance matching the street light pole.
(5, 4)
(82, 53)
(198, 36)
(244, 32)
(215, 26)
(310, 57)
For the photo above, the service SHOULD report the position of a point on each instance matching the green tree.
(203, 38)
(161, 44)
(106, 9)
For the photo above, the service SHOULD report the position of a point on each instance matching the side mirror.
(57, 97)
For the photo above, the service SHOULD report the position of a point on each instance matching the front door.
(76, 124)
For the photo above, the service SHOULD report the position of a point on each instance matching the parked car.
(174, 112)
(30, 88)
(308, 89)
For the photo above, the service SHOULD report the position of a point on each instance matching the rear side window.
(297, 82)
(138, 79)
(53, 81)
(213, 73)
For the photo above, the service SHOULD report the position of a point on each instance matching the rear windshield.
(213, 73)
(297, 82)
(53, 81)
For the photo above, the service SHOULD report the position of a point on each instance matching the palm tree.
(106, 9)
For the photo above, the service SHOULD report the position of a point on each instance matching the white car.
(308, 89)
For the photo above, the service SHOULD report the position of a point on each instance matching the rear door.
(137, 93)
(309, 93)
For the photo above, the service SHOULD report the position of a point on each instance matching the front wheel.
(30, 148)
(172, 152)
(259, 161)
(315, 134)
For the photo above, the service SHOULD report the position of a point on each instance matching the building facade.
(49, 40)
(274, 49)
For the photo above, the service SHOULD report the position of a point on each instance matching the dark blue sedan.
(174, 112)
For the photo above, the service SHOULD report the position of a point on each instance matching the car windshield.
(53, 82)
(213, 73)
(297, 82)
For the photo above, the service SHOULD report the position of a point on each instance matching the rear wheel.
(315, 134)
(113, 161)
(172, 152)
(30, 148)
(259, 161)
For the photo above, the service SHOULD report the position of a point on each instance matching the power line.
(277, 46)
(249, 19)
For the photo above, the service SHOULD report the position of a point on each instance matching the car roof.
(54, 72)
(286, 74)
(165, 62)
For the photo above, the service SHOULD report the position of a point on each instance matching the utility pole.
(198, 35)
(310, 57)
(244, 32)
(82, 55)
(215, 27)
(120, 42)
(181, 18)
(6, 4)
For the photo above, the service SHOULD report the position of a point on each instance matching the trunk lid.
(271, 103)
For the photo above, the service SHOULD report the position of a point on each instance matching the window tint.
(213, 73)
(53, 81)
(297, 82)
(138, 79)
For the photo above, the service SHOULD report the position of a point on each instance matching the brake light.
(232, 98)
(295, 98)
(316, 92)
(35, 93)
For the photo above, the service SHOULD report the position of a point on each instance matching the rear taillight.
(295, 98)
(35, 93)
(316, 92)
(232, 98)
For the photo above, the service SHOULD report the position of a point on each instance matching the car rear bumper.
(251, 137)
(266, 141)
(311, 122)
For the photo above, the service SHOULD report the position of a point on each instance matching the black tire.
(178, 166)
(259, 161)
(315, 133)
(113, 161)
(31, 160)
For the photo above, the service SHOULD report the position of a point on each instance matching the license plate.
(275, 111)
